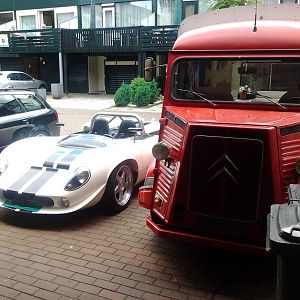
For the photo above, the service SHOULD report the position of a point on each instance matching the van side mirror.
(148, 69)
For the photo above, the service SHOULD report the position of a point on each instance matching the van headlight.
(161, 151)
(80, 178)
(3, 165)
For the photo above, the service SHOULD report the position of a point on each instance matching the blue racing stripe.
(66, 161)
(40, 181)
(16, 186)
(52, 158)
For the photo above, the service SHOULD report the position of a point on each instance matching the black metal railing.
(124, 39)
(121, 39)
(31, 41)
(158, 38)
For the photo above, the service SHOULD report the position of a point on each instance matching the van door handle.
(26, 121)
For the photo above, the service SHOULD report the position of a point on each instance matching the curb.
(138, 107)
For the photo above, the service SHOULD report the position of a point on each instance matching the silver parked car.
(19, 80)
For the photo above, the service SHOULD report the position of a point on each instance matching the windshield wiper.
(271, 100)
(201, 96)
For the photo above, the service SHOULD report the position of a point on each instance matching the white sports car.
(57, 175)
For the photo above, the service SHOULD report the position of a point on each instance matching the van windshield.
(266, 81)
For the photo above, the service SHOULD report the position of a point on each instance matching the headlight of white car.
(81, 177)
(3, 165)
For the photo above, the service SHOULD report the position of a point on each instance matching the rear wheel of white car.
(119, 188)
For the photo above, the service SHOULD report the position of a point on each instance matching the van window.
(255, 80)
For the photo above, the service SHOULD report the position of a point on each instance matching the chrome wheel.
(123, 185)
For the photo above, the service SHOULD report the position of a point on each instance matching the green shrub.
(151, 87)
(142, 95)
(134, 85)
(123, 95)
(154, 91)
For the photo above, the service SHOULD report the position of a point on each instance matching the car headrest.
(100, 126)
(123, 131)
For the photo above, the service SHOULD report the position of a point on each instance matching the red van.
(229, 143)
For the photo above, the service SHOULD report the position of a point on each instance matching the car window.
(9, 106)
(24, 77)
(30, 102)
(13, 76)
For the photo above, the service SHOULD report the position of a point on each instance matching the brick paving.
(90, 255)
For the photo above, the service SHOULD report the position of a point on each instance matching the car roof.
(8, 72)
(15, 92)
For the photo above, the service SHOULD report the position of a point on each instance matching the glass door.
(108, 16)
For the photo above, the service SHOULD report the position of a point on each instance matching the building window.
(134, 13)
(189, 8)
(64, 17)
(7, 21)
(86, 16)
(270, 1)
(27, 22)
(108, 16)
(166, 12)
(289, 1)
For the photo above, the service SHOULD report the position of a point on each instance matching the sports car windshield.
(252, 81)
(81, 141)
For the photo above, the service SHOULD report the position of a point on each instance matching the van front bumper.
(170, 233)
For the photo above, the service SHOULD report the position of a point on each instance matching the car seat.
(124, 131)
(100, 127)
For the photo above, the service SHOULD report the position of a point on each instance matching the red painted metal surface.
(236, 116)
(182, 236)
(270, 35)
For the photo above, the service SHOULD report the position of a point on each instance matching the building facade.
(90, 45)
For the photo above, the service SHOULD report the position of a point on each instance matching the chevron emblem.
(224, 166)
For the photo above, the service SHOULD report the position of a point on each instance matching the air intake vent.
(165, 180)
(289, 154)
(173, 138)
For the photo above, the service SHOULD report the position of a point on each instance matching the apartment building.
(91, 45)
(88, 45)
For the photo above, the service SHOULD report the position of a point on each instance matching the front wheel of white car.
(119, 188)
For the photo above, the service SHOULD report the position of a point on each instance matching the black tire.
(118, 189)
(39, 133)
(19, 135)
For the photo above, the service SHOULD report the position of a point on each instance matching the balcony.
(159, 38)
(125, 39)
(30, 41)
(101, 40)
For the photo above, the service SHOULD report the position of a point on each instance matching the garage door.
(115, 75)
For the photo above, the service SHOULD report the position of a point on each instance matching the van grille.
(165, 180)
(289, 154)
(225, 176)
(173, 137)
